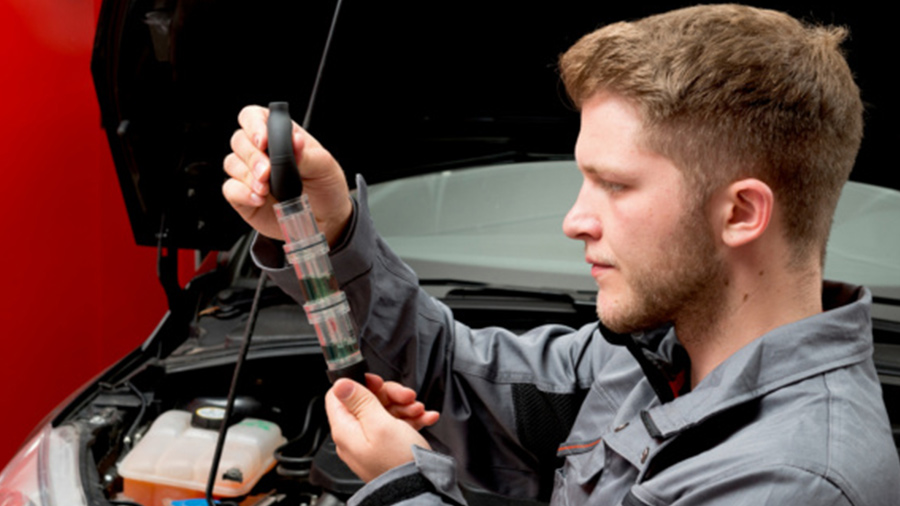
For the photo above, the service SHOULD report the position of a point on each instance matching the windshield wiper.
(889, 301)
(480, 304)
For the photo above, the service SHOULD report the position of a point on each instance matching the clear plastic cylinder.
(312, 266)
(326, 309)
(336, 330)
(296, 219)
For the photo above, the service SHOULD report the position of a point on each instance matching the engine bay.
(271, 395)
(181, 392)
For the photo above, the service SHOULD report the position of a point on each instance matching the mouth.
(599, 267)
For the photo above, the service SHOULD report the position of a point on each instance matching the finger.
(422, 420)
(253, 119)
(429, 418)
(390, 392)
(399, 394)
(406, 411)
(247, 163)
(345, 427)
(374, 382)
(297, 136)
(359, 401)
(241, 198)
(236, 168)
(316, 163)
(426, 419)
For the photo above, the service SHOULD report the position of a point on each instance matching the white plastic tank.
(172, 461)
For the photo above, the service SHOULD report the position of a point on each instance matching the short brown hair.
(730, 91)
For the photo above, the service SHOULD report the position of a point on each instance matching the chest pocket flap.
(584, 461)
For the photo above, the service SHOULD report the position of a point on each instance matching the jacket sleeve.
(486, 383)
(429, 480)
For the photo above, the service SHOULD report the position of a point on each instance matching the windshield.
(499, 224)
(864, 247)
(502, 225)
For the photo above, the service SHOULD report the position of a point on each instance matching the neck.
(750, 303)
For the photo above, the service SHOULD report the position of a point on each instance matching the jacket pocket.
(576, 479)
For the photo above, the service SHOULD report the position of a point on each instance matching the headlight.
(45, 472)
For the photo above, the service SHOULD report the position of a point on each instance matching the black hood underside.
(408, 87)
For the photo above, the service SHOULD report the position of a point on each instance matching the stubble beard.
(687, 284)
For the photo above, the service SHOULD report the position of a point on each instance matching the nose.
(582, 222)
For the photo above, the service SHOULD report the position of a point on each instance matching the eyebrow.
(603, 171)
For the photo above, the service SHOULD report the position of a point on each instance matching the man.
(714, 144)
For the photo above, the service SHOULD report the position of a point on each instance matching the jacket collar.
(838, 337)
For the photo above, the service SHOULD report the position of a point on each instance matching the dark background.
(409, 86)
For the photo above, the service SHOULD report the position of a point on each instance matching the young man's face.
(651, 251)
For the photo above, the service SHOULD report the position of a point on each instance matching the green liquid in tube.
(318, 287)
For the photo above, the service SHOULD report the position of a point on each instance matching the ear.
(744, 211)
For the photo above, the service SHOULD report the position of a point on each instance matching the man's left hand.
(400, 401)
(368, 438)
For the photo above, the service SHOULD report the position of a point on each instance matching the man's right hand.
(247, 190)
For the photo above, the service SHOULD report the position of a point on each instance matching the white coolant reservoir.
(172, 460)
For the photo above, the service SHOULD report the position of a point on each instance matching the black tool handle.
(356, 372)
(284, 179)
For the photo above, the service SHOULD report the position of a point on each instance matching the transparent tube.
(312, 266)
(336, 330)
(296, 219)
(326, 305)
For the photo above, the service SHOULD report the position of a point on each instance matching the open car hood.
(407, 88)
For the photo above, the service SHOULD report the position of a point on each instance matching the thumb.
(358, 400)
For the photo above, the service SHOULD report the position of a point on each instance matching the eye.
(611, 186)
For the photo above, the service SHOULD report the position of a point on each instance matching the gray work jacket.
(795, 417)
